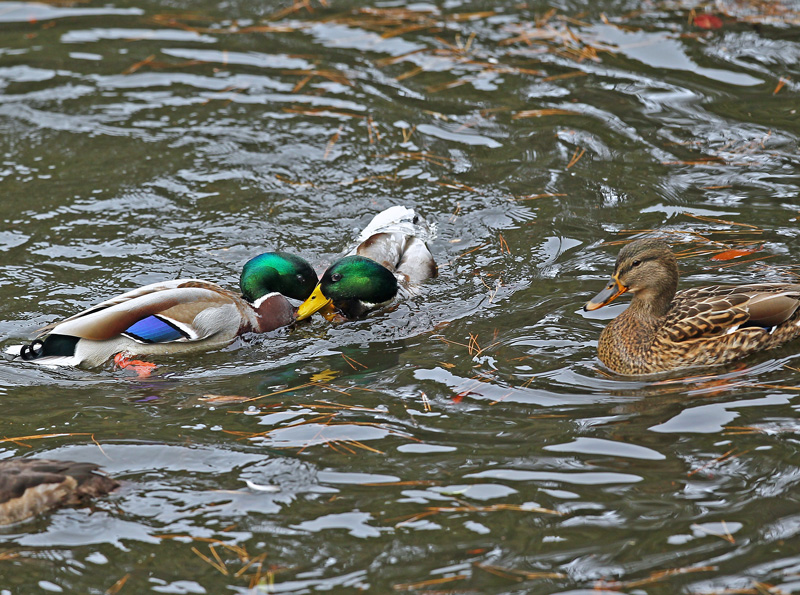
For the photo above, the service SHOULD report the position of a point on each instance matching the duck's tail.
(52, 346)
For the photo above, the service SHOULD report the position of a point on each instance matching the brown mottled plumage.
(31, 486)
(663, 330)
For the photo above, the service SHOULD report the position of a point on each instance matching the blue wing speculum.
(155, 329)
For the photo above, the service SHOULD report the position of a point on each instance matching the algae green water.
(466, 440)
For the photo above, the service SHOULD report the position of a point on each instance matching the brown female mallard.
(31, 486)
(663, 330)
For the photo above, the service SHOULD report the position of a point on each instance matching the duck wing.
(718, 310)
(180, 310)
(396, 238)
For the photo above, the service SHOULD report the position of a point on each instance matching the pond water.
(466, 440)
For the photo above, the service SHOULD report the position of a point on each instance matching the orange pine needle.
(538, 113)
(576, 157)
(138, 65)
(115, 588)
(428, 583)
(504, 249)
(332, 142)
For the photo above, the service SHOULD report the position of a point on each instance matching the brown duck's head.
(648, 269)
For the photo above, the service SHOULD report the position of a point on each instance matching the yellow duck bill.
(612, 291)
(315, 302)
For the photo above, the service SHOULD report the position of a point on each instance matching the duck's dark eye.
(335, 277)
(636, 263)
(301, 278)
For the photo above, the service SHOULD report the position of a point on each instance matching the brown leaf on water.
(735, 253)
(324, 376)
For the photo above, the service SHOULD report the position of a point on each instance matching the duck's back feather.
(170, 303)
(30, 486)
(707, 312)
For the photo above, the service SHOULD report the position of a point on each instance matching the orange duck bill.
(612, 291)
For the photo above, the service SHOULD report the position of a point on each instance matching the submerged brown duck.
(31, 486)
(663, 330)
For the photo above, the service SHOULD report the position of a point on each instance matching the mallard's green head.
(285, 273)
(351, 285)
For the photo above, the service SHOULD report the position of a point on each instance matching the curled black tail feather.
(32, 351)
(53, 345)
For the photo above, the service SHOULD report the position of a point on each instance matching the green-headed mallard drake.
(31, 486)
(178, 316)
(663, 330)
(391, 257)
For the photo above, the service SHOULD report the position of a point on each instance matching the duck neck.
(647, 304)
(272, 311)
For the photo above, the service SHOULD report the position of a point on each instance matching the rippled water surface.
(466, 440)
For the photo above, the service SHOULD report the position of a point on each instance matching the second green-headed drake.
(178, 316)
(391, 258)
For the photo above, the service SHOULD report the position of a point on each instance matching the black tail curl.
(32, 351)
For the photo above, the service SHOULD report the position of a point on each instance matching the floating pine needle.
(701, 161)
(417, 156)
(259, 559)
(333, 405)
(456, 186)
(431, 510)
(409, 73)
(504, 249)
(138, 65)
(285, 180)
(429, 583)
(445, 86)
(726, 536)
(779, 86)
(278, 392)
(737, 430)
(322, 112)
(722, 221)
(538, 113)
(719, 459)
(19, 439)
(516, 574)
(426, 403)
(535, 196)
(407, 132)
(353, 363)
(576, 156)
(566, 75)
(115, 588)
(655, 577)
